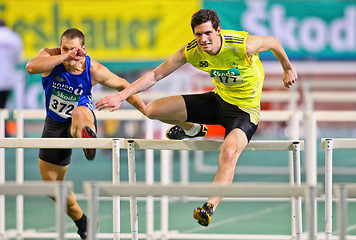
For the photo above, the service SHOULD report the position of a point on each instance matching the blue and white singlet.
(65, 91)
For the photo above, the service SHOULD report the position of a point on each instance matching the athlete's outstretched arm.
(100, 74)
(146, 81)
(49, 58)
(257, 44)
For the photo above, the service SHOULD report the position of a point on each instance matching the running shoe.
(177, 133)
(204, 214)
(89, 153)
(83, 235)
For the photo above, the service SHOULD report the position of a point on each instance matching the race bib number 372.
(63, 103)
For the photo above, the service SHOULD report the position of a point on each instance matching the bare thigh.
(168, 108)
(81, 117)
(52, 172)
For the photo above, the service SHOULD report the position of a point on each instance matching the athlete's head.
(73, 38)
(203, 16)
(73, 33)
(206, 28)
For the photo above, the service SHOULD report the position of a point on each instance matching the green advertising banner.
(308, 30)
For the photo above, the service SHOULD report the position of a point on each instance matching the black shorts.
(53, 129)
(210, 108)
(3, 98)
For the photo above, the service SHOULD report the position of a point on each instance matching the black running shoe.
(204, 214)
(87, 132)
(177, 133)
(83, 235)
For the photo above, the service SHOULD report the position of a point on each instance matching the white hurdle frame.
(294, 146)
(145, 144)
(276, 190)
(293, 117)
(59, 190)
(40, 114)
(329, 145)
(4, 114)
(105, 143)
(343, 192)
(312, 118)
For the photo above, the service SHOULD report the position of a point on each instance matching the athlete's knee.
(78, 113)
(228, 157)
(153, 111)
(71, 201)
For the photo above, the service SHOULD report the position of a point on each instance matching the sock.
(82, 223)
(194, 130)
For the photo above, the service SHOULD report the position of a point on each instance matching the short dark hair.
(205, 15)
(2, 23)
(74, 33)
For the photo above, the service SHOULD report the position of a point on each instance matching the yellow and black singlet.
(238, 78)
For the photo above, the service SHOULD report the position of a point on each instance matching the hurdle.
(284, 145)
(143, 144)
(328, 145)
(312, 118)
(4, 114)
(96, 189)
(294, 117)
(47, 143)
(40, 114)
(59, 190)
(343, 192)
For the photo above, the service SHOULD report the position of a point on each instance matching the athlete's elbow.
(274, 43)
(29, 68)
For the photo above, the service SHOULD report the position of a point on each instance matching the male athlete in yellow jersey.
(231, 58)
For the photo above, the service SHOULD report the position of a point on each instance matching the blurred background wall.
(130, 37)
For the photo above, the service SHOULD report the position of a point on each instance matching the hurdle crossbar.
(33, 188)
(207, 145)
(244, 190)
(211, 145)
(56, 143)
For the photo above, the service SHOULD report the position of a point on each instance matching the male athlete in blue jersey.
(68, 75)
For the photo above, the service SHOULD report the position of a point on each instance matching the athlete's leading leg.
(83, 127)
(81, 117)
(172, 110)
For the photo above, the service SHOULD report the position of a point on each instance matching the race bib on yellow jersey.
(230, 77)
(63, 103)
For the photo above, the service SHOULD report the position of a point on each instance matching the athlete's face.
(68, 44)
(208, 38)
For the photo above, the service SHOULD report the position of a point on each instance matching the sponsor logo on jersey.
(203, 64)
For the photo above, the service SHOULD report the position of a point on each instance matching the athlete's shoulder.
(191, 45)
(232, 36)
(94, 65)
(233, 32)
